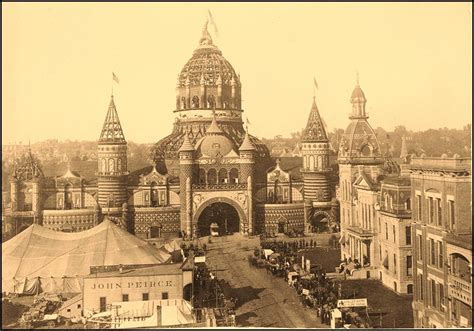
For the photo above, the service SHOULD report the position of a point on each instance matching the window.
(78, 306)
(408, 204)
(440, 254)
(124, 297)
(420, 247)
(441, 297)
(431, 210)
(409, 265)
(102, 303)
(433, 293)
(432, 252)
(452, 222)
(439, 212)
(408, 235)
(68, 310)
(395, 263)
(418, 204)
(386, 231)
(145, 296)
(420, 287)
(410, 289)
(164, 296)
(394, 236)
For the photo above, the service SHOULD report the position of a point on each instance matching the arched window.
(320, 162)
(103, 165)
(111, 165)
(365, 150)
(311, 162)
(195, 102)
(202, 176)
(408, 204)
(210, 101)
(223, 176)
(233, 175)
(212, 176)
(154, 194)
(183, 103)
(119, 164)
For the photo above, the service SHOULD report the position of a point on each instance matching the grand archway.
(321, 221)
(223, 214)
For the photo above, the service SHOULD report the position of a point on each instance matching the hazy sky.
(414, 62)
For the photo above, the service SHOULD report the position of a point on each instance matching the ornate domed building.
(208, 170)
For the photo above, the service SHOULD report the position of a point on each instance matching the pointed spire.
(186, 146)
(315, 130)
(247, 144)
(69, 173)
(214, 127)
(112, 130)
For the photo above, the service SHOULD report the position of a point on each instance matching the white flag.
(115, 78)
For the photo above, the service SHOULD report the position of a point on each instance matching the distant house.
(72, 308)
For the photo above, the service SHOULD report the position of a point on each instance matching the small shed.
(72, 308)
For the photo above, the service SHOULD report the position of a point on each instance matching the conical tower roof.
(186, 145)
(112, 130)
(214, 127)
(247, 144)
(314, 131)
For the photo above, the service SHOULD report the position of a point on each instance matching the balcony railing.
(221, 187)
(460, 289)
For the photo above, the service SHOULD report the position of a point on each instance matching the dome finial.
(357, 77)
(206, 37)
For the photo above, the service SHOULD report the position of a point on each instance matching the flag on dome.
(315, 83)
(115, 78)
(211, 20)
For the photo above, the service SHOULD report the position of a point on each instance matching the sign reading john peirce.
(132, 284)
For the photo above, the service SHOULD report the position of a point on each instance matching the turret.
(315, 151)
(247, 154)
(186, 171)
(112, 161)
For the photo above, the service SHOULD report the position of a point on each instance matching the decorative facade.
(442, 242)
(375, 207)
(208, 170)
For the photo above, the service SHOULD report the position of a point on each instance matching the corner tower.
(319, 213)
(112, 161)
(360, 165)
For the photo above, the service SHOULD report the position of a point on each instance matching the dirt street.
(263, 300)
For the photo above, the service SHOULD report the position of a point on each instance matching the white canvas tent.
(42, 260)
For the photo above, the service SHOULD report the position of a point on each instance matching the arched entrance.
(223, 214)
(320, 222)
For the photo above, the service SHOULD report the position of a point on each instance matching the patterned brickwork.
(166, 217)
(269, 216)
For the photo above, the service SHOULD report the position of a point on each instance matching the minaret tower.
(112, 161)
(186, 171)
(315, 153)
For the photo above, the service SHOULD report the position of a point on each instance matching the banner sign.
(200, 259)
(352, 303)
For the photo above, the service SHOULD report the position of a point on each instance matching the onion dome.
(112, 130)
(359, 142)
(186, 146)
(315, 130)
(358, 95)
(207, 61)
(247, 145)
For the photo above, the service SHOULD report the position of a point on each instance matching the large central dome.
(207, 87)
(207, 63)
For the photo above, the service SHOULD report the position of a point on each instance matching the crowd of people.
(315, 290)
